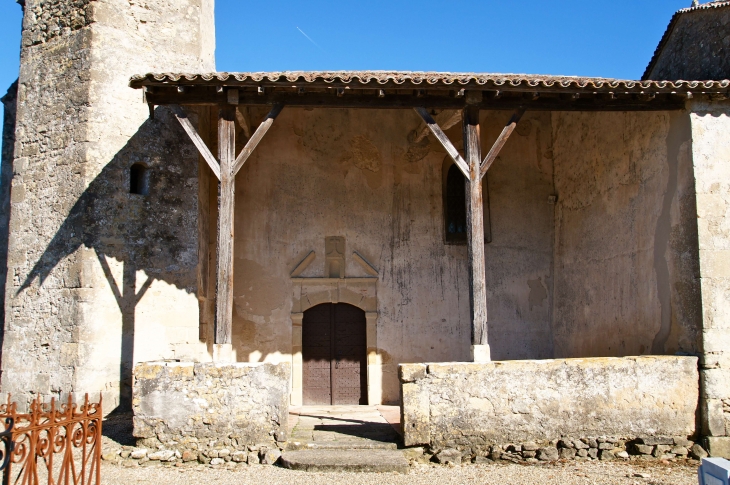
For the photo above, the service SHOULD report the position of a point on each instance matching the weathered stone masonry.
(6, 177)
(711, 160)
(211, 411)
(83, 252)
(473, 407)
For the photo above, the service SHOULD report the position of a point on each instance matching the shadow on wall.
(155, 234)
(6, 176)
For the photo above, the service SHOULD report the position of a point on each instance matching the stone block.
(448, 456)
(715, 263)
(644, 449)
(547, 454)
(606, 455)
(271, 456)
(712, 416)
(411, 372)
(162, 455)
(580, 445)
(530, 446)
(189, 455)
(697, 452)
(716, 383)
(719, 446)
(239, 456)
(567, 453)
(481, 353)
(138, 453)
(415, 417)
(682, 441)
(660, 450)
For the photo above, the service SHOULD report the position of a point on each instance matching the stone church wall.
(625, 246)
(99, 278)
(354, 173)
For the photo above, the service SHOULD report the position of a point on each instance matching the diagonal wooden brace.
(444, 140)
(501, 140)
(182, 117)
(256, 138)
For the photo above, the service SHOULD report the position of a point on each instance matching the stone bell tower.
(82, 250)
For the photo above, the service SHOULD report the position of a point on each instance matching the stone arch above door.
(358, 292)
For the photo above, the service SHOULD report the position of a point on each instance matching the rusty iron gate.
(334, 355)
(53, 444)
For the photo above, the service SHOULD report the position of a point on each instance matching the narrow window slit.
(139, 179)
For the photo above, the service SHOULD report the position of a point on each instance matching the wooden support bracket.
(501, 140)
(182, 117)
(256, 137)
(444, 140)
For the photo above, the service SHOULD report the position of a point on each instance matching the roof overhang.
(379, 89)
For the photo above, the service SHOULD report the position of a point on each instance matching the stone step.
(293, 445)
(335, 460)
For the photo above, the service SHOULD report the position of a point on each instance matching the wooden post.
(226, 204)
(475, 235)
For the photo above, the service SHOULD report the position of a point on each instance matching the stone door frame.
(358, 292)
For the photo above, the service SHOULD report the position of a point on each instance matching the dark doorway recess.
(334, 352)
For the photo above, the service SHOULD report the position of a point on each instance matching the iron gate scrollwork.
(53, 444)
(6, 438)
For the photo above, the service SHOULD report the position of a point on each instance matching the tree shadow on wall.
(155, 233)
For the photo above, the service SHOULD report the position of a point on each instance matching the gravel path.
(594, 473)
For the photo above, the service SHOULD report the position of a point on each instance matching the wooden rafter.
(446, 119)
(501, 140)
(444, 140)
(182, 117)
(256, 138)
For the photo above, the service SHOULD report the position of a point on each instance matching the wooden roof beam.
(256, 138)
(443, 139)
(501, 140)
(182, 117)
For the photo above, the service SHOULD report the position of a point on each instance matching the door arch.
(334, 355)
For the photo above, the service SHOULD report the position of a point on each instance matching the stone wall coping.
(410, 371)
(216, 364)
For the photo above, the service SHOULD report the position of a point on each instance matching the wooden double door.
(334, 346)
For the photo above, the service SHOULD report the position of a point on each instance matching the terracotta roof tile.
(406, 79)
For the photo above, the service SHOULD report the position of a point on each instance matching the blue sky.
(571, 37)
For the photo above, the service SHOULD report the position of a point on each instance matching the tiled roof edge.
(365, 78)
(670, 29)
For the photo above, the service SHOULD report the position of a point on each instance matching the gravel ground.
(594, 473)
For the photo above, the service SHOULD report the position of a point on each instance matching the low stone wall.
(566, 408)
(210, 412)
